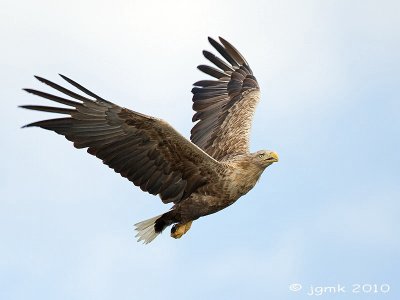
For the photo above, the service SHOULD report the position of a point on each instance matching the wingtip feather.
(69, 80)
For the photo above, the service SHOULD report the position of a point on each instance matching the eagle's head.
(265, 157)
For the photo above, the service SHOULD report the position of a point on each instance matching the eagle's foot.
(180, 229)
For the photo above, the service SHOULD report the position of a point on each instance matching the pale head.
(265, 157)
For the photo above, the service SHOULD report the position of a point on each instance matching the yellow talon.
(180, 229)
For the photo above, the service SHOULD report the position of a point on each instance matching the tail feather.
(146, 230)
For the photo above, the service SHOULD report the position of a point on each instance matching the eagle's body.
(235, 178)
(201, 176)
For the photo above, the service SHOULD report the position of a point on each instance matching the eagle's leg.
(180, 229)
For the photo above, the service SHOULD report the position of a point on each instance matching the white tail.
(146, 231)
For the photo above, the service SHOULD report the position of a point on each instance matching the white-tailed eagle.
(200, 176)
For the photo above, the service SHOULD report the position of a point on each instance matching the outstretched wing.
(225, 106)
(145, 150)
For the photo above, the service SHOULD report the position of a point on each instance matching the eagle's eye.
(261, 155)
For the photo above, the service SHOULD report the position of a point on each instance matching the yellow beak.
(275, 156)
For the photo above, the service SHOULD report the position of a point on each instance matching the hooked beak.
(273, 157)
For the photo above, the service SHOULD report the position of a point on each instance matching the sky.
(326, 215)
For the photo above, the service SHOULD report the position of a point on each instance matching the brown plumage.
(201, 176)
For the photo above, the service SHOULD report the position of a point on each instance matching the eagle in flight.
(201, 176)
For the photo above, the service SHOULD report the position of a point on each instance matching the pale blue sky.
(326, 214)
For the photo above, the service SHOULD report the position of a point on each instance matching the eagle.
(200, 176)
